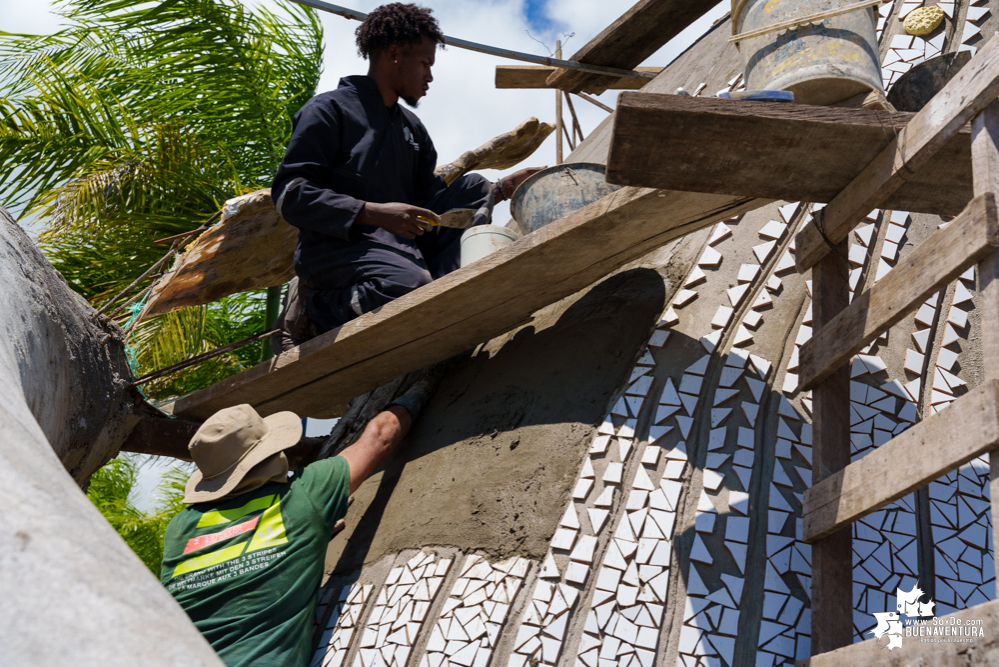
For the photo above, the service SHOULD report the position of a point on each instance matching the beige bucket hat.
(231, 443)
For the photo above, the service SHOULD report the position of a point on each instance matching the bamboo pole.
(595, 102)
(575, 121)
(558, 112)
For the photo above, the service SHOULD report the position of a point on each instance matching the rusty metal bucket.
(556, 192)
(821, 63)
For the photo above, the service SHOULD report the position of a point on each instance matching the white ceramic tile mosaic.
(342, 625)
(399, 611)
(474, 613)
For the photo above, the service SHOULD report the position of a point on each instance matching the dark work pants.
(384, 275)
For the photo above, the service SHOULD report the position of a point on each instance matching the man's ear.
(393, 52)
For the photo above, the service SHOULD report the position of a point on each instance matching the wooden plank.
(977, 650)
(469, 306)
(985, 162)
(832, 562)
(909, 461)
(960, 100)
(536, 76)
(793, 152)
(937, 261)
(627, 42)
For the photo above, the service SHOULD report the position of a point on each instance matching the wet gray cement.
(491, 462)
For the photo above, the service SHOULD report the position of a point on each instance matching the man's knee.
(476, 183)
(407, 279)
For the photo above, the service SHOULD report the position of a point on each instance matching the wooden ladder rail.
(843, 492)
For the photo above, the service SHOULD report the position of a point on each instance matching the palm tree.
(135, 122)
(112, 490)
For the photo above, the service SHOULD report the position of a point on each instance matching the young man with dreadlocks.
(358, 181)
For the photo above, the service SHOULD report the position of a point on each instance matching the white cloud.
(32, 18)
(463, 109)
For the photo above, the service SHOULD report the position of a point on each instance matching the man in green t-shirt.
(245, 560)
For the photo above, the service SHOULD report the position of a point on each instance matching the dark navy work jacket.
(348, 148)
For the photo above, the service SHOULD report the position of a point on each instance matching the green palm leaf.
(135, 122)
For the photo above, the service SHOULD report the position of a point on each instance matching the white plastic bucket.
(482, 240)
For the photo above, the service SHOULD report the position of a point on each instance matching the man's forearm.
(380, 437)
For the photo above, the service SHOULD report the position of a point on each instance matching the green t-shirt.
(247, 569)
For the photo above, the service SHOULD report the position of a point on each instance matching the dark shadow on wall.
(492, 459)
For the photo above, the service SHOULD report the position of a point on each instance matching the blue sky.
(537, 17)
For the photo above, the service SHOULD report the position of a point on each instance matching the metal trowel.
(456, 218)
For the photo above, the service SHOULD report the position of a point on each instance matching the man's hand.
(508, 184)
(400, 219)
(339, 526)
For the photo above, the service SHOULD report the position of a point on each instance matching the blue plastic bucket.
(556, 192)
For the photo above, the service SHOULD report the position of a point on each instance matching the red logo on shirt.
(196, 543)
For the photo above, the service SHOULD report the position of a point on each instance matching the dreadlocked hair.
(396, 23)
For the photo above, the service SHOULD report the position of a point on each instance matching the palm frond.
(112, 491)
(137, 121)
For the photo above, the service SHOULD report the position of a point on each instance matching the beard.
(412, 101)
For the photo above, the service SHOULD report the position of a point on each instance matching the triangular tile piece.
(762, 365)
(722, 395)
(718, 415)
(548, 569)
(710, 342)
(756, 387)
(763, 250)
(570, 520)
(736, 293)
(689, 404)
(696, 276)
(597, 518)
(699, 367)
(669, 395)
(742, 335)
(721, 231)
(763, 300)
(620, 408)
(787, 211)
(961, 294)
(664, 412)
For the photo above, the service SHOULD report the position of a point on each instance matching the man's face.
(412, 70)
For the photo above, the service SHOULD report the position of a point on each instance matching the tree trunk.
(73, 590)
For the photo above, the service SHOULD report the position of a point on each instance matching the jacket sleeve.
(427, 184)
(298, 189)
